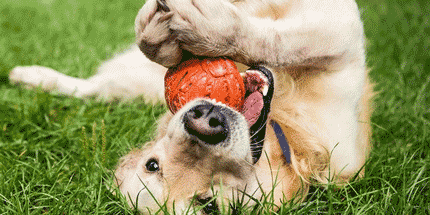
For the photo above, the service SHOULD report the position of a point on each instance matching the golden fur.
(322, 100)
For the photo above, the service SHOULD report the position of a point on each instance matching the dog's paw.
(154, 37)
(34, 76)
(206, 27)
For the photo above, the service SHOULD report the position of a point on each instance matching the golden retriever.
(308, 73)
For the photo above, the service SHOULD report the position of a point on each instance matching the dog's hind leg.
(126, 76)
(50, 80)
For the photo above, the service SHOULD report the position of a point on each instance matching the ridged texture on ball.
(213, 78)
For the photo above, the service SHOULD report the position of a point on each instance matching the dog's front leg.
(204, 28)
(321, 30)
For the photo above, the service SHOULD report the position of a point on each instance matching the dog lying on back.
(307, 61)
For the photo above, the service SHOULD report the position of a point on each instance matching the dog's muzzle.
(209, 121)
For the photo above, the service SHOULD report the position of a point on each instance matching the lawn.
(57, 154)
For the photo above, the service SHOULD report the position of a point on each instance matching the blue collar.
(283, 142)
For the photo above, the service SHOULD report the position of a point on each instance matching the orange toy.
(212, 78)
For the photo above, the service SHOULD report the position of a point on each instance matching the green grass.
(50, 164)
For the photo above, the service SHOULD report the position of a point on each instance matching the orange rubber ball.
(212, 78)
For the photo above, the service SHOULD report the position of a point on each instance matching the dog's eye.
(152, 165)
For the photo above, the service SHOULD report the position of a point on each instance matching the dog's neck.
(282, 140)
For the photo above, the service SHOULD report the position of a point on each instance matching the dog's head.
(205, 150)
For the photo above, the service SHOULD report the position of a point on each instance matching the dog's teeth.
(264, 90)
(250, 72)
(264, 78)
(243, 74)
(260, 74)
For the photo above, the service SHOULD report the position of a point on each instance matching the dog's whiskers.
(257, 143)
(257, 149)
(259, 129)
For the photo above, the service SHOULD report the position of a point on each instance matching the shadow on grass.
(4, 80)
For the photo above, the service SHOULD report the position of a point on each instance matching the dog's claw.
(264, 90)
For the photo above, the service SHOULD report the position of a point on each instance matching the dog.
(307, 60)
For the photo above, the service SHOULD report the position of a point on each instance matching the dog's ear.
(309, 158)
(163, 122)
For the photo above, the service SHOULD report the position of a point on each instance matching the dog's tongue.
(252, 107)
(259, 86)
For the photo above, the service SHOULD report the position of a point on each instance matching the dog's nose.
(207, 123)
